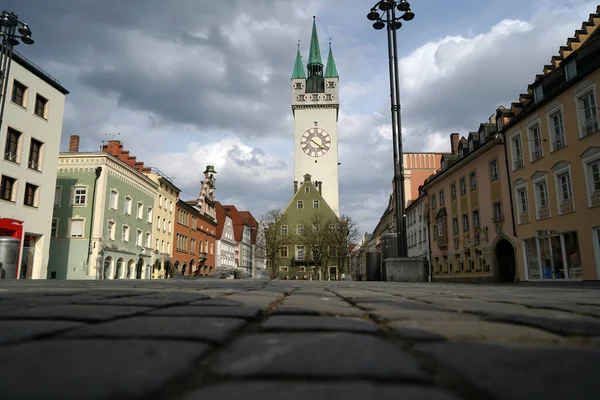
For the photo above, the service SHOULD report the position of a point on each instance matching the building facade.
(102, 227)
(30, 135)
(553, 143)
(417, 236)
(191, 243)
(226, 260)
(469, 211)
(417, 168)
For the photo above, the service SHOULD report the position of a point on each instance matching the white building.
(226, 245)
(417, 238)
(30, 138)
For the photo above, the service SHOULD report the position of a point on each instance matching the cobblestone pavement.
(255, 339)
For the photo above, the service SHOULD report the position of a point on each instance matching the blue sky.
(197, 81)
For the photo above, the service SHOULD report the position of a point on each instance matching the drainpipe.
(98, 172)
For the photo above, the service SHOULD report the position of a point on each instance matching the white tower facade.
(315, 105)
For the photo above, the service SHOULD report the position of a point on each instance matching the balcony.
(536, 154)
(544, 213)
(524, 218)
(566, 207)
(559, 142)
(442, 241)
(202, 255)
(518, 163)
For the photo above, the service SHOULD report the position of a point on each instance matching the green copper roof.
(314, 56)
(298, 67)
(331, 70)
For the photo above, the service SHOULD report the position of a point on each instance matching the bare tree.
(273, 237)
(344, 232)
(315, 237)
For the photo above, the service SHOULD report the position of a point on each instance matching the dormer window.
(538, 93)
(443, 164)
(571, 70)
(460, 152)
(470, 145)
(499, 124)
(482, 136)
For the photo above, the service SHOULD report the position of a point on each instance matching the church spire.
(314, 56)
(331, 70)
(298, 67)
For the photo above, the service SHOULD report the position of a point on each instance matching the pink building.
(417, 168)
(469, 211)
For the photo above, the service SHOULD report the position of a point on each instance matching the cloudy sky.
(191, 82)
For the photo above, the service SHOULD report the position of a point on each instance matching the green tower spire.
(298, 67)
(314, 56)
(331, 70)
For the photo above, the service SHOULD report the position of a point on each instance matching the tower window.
(316, 123)
(300, 204)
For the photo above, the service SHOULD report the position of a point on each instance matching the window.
(433, 205)
(557, 130)
(454, 226)
(300, 253)
(315, 203)
(522, 201)
(307, 189)
(76, 227)
(125, 233)
(535, 138)
(18, 93)
(499, 124)
(494, 169)
(517, 151)
(150, 215)
(157, 245)
(111, 230)
(463, 186)
(114, 199)
(31, 192)
(79, 196)
(35, 149)
(460, 152)
(498, 212)
(127, 205)
(11, 147)
(170, 206)
(564, 186)
(140, 211)
(164, 225)
(157, 223)
(470, 145)
(594, 168)
(169, 227)
(160, 201)
(588, 113)
(40, 106)
(284, 252)
(284, 229)
(300, 204)
(442, 197)
(465, 222)
(54, 229)
(57, 196)
(473, 180)
(192, 246)
(475, 218)
(571, 70)
(453, 191)
(139, 238)
(148, 239)
(542, 194)
(299, 229)
(538, 93)
(7, 188)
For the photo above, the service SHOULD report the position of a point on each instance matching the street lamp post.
(11, 31)
(388, 19)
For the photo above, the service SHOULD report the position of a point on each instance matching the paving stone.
(255, 300)
(316, 391)
(15, 331)
(92, 369)
(521, 372)
(318, 323)
(401, 313)
(217, 302)
(202, 328)
(199, 311)
(389, 304)
(317, 355)
(73, 312)
(572, 326)
(318, 310)
(470, 330)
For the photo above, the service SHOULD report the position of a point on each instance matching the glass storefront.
(554, 256)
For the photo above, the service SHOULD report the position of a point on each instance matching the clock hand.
(321, 146)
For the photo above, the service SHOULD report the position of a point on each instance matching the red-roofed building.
(244, 229)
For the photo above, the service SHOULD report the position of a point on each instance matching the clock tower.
(315, 106)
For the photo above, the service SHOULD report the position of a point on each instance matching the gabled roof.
(236, 220)
(249, 220)
(314, 193)
(221, 217)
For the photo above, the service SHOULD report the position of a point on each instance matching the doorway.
(505, 261)
(138, 268)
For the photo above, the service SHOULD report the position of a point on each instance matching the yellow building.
(553, 143)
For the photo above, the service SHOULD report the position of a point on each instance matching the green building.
(102, 227)
(312, 227)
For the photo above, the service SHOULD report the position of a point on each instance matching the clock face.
(315, 142)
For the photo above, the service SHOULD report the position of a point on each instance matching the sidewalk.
(254, 339)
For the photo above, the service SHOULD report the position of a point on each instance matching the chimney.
(74, 144)
(454, 137)
(295, 186)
